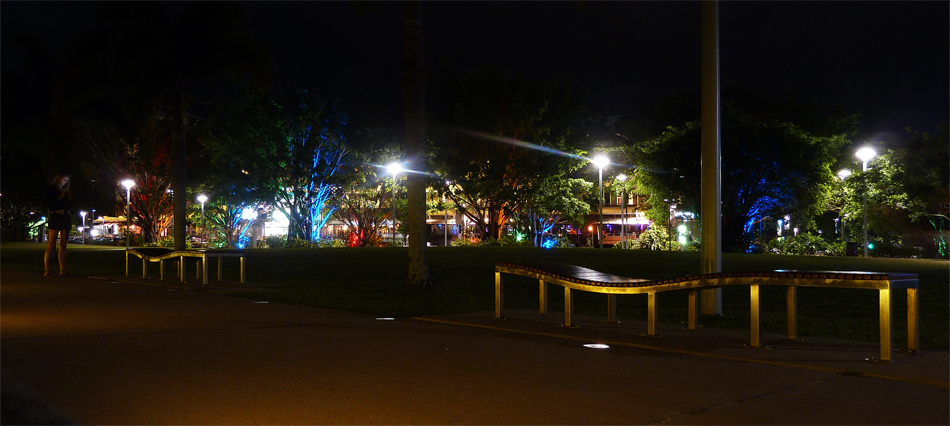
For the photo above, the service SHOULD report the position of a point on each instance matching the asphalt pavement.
(114, 351)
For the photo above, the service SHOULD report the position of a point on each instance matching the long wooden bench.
(160, 255)
(579, 278)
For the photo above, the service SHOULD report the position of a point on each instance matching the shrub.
(275, 241)
(654, 238)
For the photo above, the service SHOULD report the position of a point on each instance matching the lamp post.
(201, 199)
(601, 161)
(865, 155)
(83, 214)
(394, 169)
(623, 210)
(128, 184)
(842, 175)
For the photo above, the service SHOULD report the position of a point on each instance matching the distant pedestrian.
(59, 201)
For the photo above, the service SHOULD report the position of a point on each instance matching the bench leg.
(612, 308)
(693, 310)
(756, 340)
(242, 269)
(126, 263)
(651, 314)
(542, 297)
(913, 338)
(219, 269)
(161, 270)
(144, 268)
(885, 299)
(204, 270)
(568, 308)
(791, 308)
(181, 268)
(499, 294)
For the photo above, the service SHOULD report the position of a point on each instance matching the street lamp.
(394, 168)
(865, 155)
(128, 184)
(201, 199)
(601, 161)
(623, 210)
(83, 232)
(842, 175)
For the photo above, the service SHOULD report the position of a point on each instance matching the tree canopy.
(498, 138)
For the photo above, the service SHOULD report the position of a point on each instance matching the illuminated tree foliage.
(144, 54)
(557, 199)
(481, 142)
(287, 150)
(142, 156)
(778, 157)
(908, 192)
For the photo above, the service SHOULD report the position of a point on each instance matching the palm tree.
(414, 90)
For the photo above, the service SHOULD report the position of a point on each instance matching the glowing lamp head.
(202, 198)
(622, 177)
(128, 184)
(843, 174)
(866, 154)
(394, 168)
(601, 161)
(83, 214)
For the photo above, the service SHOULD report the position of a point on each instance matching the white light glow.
(866, 154)
(843, 174)
(394, 168)
(622, 177)
(596, 346)
(128, 184)
(249, 213)
(202, 198)
(601, 161)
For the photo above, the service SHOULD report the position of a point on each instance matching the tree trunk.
(179, 167)
(414, 92)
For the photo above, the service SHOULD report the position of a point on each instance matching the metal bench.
(579, 278)
(160, 255)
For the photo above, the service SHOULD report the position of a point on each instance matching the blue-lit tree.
(778, 158)
(311, 157)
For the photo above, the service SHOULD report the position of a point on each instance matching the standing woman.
(59, 200)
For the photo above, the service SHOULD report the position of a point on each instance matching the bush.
(466, 242)
(806, 244)
(275, 241)
(654, 238)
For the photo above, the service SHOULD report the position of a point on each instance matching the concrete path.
(106, 352)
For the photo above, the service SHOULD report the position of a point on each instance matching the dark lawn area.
(371, 280)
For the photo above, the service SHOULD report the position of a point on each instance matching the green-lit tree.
(908, 193)
(778, 158)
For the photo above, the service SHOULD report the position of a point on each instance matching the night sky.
(888, 61)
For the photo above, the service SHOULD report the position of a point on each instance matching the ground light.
(596, 346)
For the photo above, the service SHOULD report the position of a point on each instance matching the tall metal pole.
(623, 218)
(600, 229)
(711, 300)
(394, 209)
(864, 168)
(128, 215)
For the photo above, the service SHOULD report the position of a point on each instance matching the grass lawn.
(371, 280)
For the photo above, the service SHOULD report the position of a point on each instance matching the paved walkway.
(106, 352)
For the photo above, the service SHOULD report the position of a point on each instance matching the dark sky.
(889, 61)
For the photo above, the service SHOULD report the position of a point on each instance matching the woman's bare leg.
(50, 248)
(63, 238)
